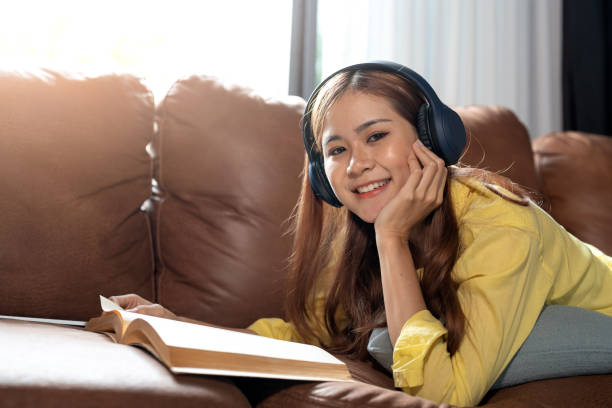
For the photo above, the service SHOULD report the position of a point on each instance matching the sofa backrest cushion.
(499, 142)
(229, 166)
(575, 171)
(74, 174)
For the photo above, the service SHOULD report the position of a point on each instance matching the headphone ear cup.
(320, 184)
(423, 128)
(451, 142)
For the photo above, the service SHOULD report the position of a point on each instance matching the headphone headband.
(438, 126)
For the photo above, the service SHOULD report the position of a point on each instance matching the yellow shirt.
(513, 260)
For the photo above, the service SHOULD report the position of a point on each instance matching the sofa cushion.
(373, 387)
(589, 391)
(499, 142)
(74, 175)
(575, 171)
(229, 165)
(345, 394)
(58, 366)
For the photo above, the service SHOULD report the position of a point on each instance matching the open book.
(187, 348)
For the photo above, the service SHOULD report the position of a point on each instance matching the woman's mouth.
(371, 188)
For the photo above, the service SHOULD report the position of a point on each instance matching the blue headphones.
(438, 126)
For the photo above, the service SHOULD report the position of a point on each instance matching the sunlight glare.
(240, 41)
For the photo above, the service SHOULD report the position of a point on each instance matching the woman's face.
(366, 145)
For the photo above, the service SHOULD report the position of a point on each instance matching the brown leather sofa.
(184, 202)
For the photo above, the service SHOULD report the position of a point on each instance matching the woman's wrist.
(392, 239)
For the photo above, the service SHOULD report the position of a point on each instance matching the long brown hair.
(356, 289)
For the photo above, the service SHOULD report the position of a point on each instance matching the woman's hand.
(421, 194)
(136, 304)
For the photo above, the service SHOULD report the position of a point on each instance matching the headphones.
(438, 126)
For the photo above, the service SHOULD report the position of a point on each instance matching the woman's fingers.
(136, 304)
(129, 301)
(415, 175)
(153, 310)
(433, 179)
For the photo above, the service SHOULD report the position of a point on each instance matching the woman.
(457, 263)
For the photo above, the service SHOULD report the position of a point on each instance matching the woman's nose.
(360, 161)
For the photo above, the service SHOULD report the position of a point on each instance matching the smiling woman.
(453, 263)
(157, 40)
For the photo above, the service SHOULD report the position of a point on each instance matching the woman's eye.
(377, 136)
(335, 151)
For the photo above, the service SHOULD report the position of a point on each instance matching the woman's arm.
(421, 194)
(401, 289)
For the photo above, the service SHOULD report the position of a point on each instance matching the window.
(244, 42)
(503, 52)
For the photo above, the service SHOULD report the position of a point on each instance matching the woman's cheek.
(394, 155)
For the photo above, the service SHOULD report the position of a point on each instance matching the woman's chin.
(367, 211)
(369, 218)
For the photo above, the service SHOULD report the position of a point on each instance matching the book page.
(45, 320)
(193, 336)
(113, 321)
(108, 305)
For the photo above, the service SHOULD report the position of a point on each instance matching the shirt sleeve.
(501, 292)
(276, 328)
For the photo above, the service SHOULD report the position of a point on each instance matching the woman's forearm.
(401, 289)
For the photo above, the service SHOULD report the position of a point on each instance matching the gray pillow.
(565, 341)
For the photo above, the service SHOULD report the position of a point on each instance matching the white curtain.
(485, 52)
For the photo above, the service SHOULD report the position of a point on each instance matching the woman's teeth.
(373, 186)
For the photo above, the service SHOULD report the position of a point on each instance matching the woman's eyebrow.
(330, 139)
(358, 129)
(369, 123)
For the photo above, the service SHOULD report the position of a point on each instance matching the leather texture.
(575, 171)
(229, 166)
(74, 175)
(56, 366)
(586, 391)
(372, 388)
(499, 142)
(344, 394)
